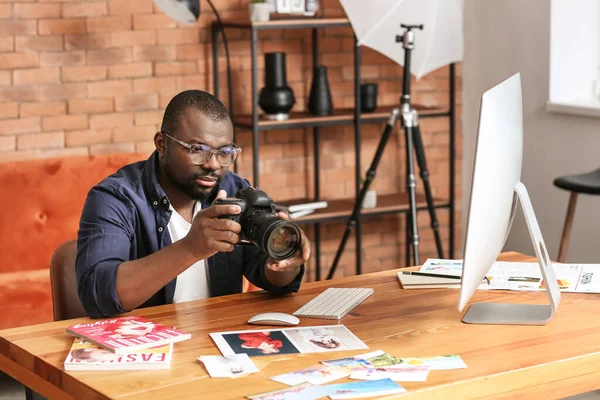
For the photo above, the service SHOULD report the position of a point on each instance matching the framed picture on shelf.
(284, 6)
(297, 7)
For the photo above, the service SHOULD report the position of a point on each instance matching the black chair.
(588, 183)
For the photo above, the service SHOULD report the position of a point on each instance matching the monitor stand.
(522, 314)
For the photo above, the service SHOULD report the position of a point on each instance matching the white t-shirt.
(193, 283)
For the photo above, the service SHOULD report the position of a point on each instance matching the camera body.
(260, 224)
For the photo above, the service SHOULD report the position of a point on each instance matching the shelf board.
(386, 204)
(302, 119)
(292, 22)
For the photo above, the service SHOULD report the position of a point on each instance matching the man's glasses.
(201, 153)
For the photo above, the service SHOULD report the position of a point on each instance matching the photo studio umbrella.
(377, 22)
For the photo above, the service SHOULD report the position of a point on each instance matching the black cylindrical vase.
(319, 100)
(276, 98)
(368, 97)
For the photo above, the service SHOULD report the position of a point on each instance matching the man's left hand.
(291, 263)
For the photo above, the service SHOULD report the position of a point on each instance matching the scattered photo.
(354, 390)
(317, 375)
(254, 343)
(305, 391)
(437, 363)
(349, 364)
(380, 358)
(228, 366)
(397, 373)
(318, 339)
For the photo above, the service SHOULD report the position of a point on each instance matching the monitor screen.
(496, 172)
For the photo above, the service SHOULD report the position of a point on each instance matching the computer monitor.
(495, 189)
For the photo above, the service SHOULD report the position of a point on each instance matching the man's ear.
(160, 143)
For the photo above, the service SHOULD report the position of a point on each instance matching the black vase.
(319, 100)
(276, 98)
(368, 97)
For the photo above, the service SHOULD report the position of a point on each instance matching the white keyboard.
(334, 303)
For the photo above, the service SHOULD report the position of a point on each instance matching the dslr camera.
(260, 224)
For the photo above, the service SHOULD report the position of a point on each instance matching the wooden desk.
(552, 361)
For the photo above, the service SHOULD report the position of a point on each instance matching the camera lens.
(283, 241)
(279, 238)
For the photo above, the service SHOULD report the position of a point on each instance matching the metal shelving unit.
(337, 209)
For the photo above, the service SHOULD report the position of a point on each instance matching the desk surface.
(552, 361)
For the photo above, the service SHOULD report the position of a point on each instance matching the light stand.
(413, 141)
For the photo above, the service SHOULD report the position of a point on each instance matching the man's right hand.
(209, 234)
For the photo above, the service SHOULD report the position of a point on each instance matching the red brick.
(9, 110)
(153, 21)
(62, 58)
(133, 133)
(7, 143)
(87, 137)
(61, 26)
(110, 88)
(191, 51)
(136, 102)
(35, 76)
(37, 11)
(91, 106)
(39, 43)
(153, 53)
(135, 70)
(44, 153)
(42, 109)
(63, 91)
(174, 68)
(112, 120)
(145, 147)
(7, 44)
(86, 9)
(65, 122)
(41, 141)
(5, 11)
(90, 41)
(165, 98)
(5, 78)
(112, 148)
(18, 60)
(109, 24)
(20, 125)
(118, 7)
(154, 85)
(133, 38)
(149, 117)
(20, 93)
(109, 56)
(178, 36)
(84, 74)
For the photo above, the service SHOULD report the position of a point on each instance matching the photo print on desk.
(310, 339)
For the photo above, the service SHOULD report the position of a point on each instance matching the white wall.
(503, 37)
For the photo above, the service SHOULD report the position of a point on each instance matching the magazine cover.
(309, 339)
(85, 356)
(127, 334)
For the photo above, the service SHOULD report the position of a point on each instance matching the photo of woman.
(260, 343)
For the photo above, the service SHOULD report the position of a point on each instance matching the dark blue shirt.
(125, 218)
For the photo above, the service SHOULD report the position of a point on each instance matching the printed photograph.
(228, 366)
(318, 339)
(317, 375)
(254, 343)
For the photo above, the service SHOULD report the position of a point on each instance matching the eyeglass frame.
(213, 152)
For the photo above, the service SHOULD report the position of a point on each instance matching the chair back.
(65, 300)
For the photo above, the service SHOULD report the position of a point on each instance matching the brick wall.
(93, 77)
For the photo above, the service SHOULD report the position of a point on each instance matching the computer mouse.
(273, 318)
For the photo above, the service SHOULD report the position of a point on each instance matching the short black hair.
(205, 102)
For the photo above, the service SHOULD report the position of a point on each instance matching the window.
(575, 57)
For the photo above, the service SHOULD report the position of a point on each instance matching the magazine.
(85, 356)
(127, 334)
(309, 339)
